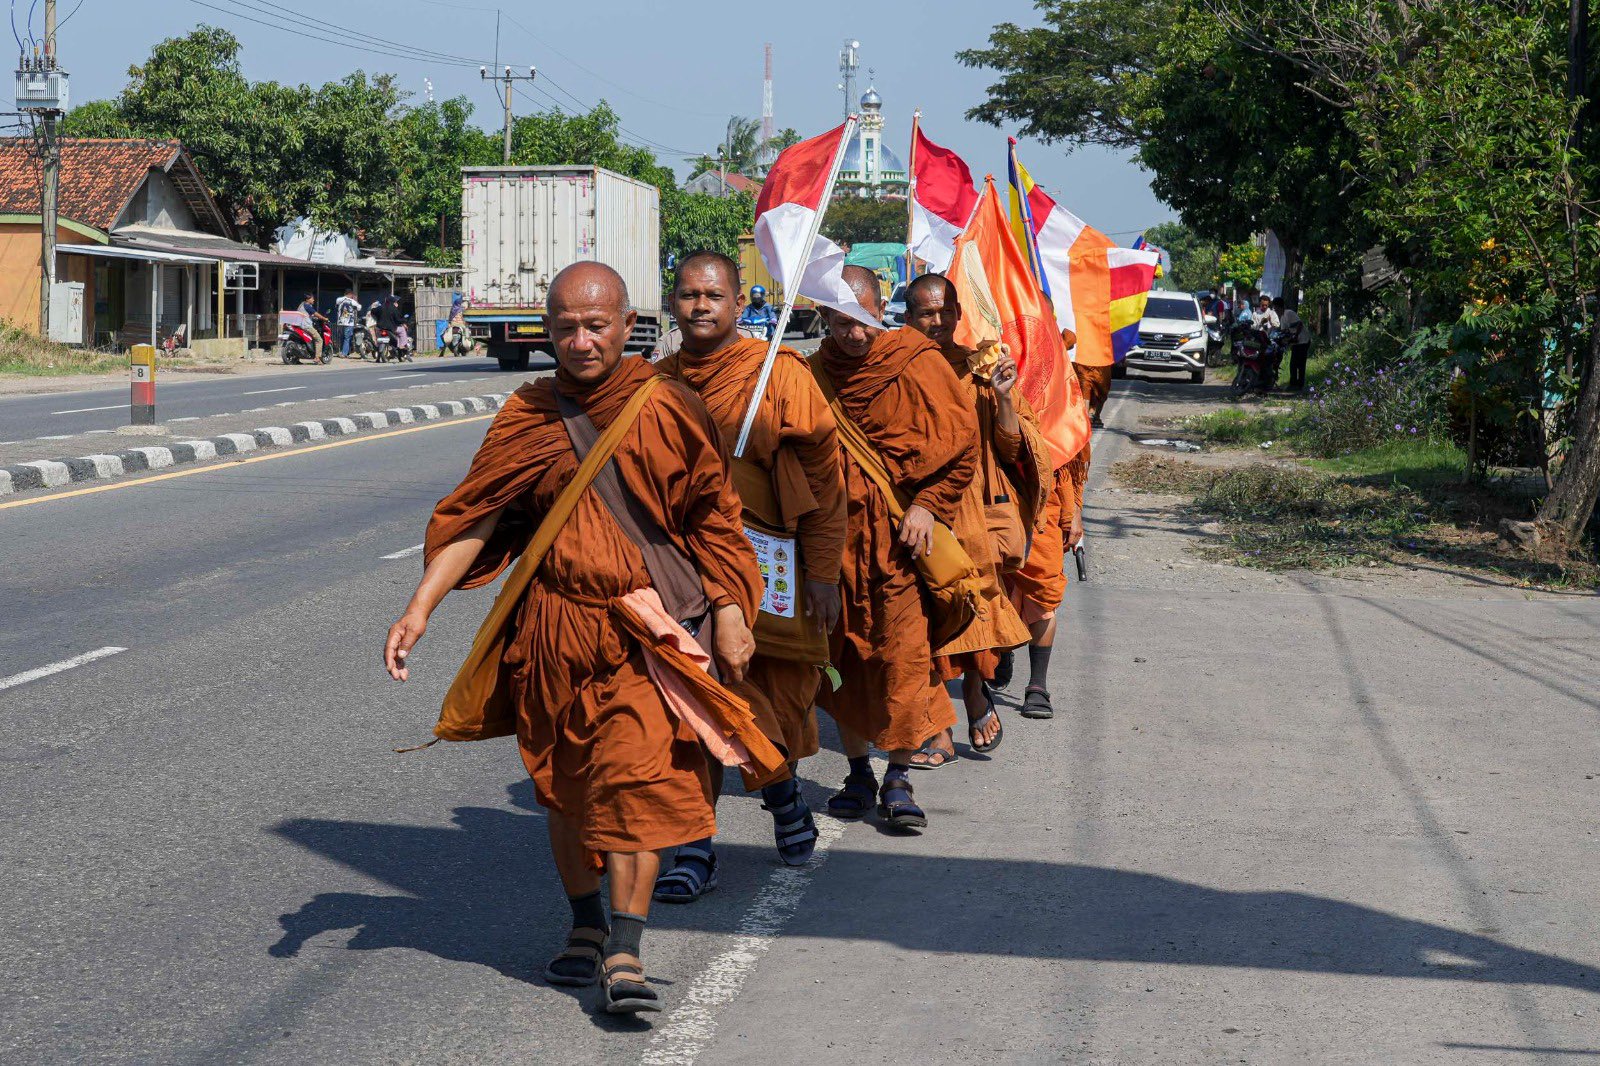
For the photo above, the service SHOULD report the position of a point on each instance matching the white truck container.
(520, 226)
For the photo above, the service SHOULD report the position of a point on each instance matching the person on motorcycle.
(1266, 322)
(758, 314)
(308, 307)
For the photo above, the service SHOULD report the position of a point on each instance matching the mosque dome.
(870, 100)
(888, 161)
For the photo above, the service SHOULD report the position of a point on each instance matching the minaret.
(871, 133)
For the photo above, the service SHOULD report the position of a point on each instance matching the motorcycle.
(1249, 354)
(362, 346)
(457, 339)
(296, 341)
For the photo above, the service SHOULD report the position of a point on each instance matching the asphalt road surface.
(1276, 820)
(64, 414)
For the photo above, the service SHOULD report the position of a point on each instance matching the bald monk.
(1014, 478)
(1038, 589)
(900, 391)
(620, 775)
(794, 450)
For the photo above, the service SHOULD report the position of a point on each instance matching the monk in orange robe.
(1096, 383)
(793, 457)
(1010, 490)
(620, 775)
(899, 390)
(1038, 589)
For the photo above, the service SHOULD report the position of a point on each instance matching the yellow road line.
(235, 463)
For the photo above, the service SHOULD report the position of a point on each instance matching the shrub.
(1372, 393)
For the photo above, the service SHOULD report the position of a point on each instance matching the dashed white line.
(58, 436)
(268, 392)
(86, 410)
(190, 418)
(404, 552)
(55, 668)
(691, 1027)
(395, 377)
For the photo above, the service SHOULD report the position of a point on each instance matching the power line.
(371, 44)
(68, 19)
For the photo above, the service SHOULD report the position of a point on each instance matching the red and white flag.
(788, 213)
(942, 201)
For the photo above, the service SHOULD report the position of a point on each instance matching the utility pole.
(508, 80)
(42, 92)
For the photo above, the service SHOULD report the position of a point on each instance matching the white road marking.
(268, 392)
(395, 377)
(58, 436)
(403, 552)
(190, 418)
(86, 410)
(55, 668)
(691, 1027)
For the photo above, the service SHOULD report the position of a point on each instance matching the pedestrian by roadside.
(345, 313)
(308, 307)
(1241, 311)
(1298, 337)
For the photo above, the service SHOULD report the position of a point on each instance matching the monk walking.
(1037, 590)
(995, 514)
(900, 392)
(792, 488)
(621, 775)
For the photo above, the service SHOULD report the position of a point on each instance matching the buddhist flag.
(1098, 289)
(942, 199)
(789, 214)
(1000, 299)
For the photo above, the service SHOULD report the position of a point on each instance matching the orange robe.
(1096, 384)
(1014, 470)
(794, 440)
(599, 743)
(909, 404)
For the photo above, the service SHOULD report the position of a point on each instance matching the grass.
(23, 354)
(1400, 504)
(1237, 426)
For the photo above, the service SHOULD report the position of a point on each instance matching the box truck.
(520, 226)
(806, 317)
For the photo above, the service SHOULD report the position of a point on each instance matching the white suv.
(1172, 336)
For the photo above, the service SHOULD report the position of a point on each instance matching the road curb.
(51, 473)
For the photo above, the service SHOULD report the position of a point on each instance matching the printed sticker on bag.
(777, 558)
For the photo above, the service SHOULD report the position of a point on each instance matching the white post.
(791, 290)
(155, 302)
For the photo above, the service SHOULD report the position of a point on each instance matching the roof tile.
(98, 177)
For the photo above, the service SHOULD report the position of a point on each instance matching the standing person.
(1095, 377)
(1266, 321)
(1008, 494)
(898, 390)
(793, 492)
(1242, 314)
(308, 307)
(345, 313)
(759, 316)
(1298, 337)
(620, 774)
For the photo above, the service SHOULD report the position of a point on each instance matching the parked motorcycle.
(362, 346)
(1250, 355)
(296, 341)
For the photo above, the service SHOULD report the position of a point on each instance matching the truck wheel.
(517, 361)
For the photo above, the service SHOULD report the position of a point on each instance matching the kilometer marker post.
(142, 385)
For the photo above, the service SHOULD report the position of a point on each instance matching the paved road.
(64, 414)
(1279, 820)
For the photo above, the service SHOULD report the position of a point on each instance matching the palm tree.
(739, 151)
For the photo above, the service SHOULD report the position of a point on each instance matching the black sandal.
(628, 997)
(854, 800)
(1036, 703)
(972, 731)
(582, 958)
(693, 874)
(902, 815)
(794, 829)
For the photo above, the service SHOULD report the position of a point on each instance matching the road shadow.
(482, 891)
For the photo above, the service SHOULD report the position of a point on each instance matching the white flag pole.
(791, 290)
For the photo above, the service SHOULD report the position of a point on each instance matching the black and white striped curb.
(49, 473)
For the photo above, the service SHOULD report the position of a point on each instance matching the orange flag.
(1000, 301)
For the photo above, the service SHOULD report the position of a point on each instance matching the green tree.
(784, 138)
(440, 139)
(693, 221)
(1242, 264)
(853, 220)
(1194, 259)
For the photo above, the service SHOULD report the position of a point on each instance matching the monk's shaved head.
(864, 283)
(588, 284)
(922, 289)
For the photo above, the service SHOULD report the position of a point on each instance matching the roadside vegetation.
(24, 355)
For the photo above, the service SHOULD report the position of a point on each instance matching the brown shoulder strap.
(859, 446)
(672, 574)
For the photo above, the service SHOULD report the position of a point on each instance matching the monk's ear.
(739, 302)
(629, 320)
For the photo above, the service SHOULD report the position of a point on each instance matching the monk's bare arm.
(444, 571)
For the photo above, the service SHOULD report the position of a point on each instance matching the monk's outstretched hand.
(734, 642)
(822, 603)
(1003, 376)
(916, 530)
(403, 636)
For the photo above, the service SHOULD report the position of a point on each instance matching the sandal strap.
(690, 851)
(626, 967)
(974, 723)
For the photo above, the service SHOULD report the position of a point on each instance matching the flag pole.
(790, 291)
(1035, 260)
(911, 193)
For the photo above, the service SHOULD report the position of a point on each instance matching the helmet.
(758, 290)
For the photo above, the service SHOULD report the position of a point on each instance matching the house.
(139, 228)
(730, 183)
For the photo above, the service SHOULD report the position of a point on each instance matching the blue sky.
(674, 71)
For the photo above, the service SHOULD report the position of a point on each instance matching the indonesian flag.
(793, 196)
(942, 200)
(1001, 301)
(1099, 289)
